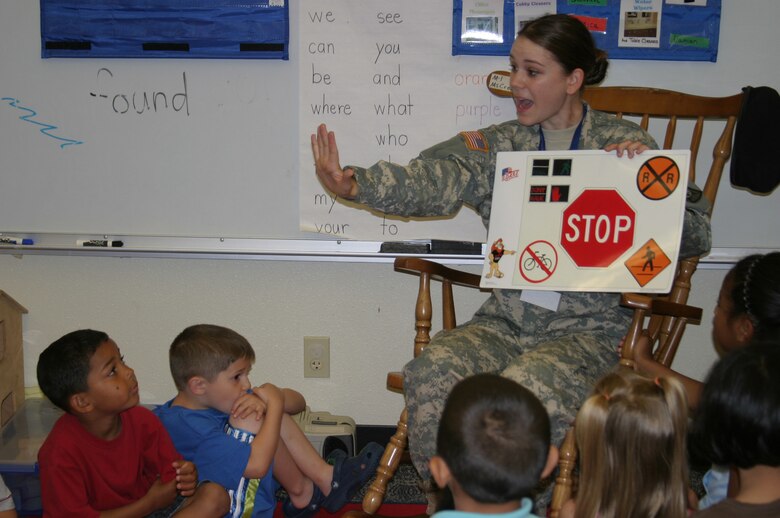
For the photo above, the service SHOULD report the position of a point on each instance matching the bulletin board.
(672, 30)
(243, 29)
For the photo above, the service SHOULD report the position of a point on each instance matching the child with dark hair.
(244, 438)
(492, 448)
(748, 310)
(106, 453)
(738, 424)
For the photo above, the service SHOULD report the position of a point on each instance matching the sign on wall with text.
(586, 221)
(381, 76)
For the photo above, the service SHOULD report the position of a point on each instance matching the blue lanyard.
(575, 139)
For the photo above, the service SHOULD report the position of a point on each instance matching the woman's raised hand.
(327, 166)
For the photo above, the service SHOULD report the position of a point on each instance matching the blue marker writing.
(15, 240)
(45, 128)
(100, 242)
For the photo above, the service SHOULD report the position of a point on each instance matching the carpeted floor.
(405, 496)
(404, 488)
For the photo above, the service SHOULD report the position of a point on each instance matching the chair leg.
(563, 482)
(387, 467)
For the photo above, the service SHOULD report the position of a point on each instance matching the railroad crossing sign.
(658, 177)
(587, 220)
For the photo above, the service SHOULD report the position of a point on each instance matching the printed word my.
(325, 199)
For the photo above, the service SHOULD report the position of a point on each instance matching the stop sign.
(597, 228)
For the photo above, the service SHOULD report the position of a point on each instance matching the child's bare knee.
(248, 424)
(213, 499)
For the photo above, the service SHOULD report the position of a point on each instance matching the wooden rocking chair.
(667, 315)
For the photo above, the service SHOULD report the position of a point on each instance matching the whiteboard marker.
(100, 242)
(15, 240)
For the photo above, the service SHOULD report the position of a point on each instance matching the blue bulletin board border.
(688, 32)
(241, 29)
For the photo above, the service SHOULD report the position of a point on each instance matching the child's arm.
(294, 401)
(266, 441)
(645, 364)
(159, 496)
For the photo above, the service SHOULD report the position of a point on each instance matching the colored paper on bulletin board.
(672, 30)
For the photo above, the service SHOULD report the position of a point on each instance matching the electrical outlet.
(316, 357)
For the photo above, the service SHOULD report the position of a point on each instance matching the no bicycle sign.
(586, 221)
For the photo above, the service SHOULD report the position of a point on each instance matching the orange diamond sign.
(647, 262)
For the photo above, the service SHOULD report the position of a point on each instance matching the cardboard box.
(11, 357)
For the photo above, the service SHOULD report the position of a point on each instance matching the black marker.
(100, 242)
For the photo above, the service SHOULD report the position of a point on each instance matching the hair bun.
(598, 72)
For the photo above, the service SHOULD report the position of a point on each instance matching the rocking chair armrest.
(437, 271)
(692, 314)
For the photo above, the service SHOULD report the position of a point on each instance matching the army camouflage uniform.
(558, 355)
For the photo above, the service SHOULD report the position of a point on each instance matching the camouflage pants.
(557, 355)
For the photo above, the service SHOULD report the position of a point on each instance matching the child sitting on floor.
(738, 424)
(748, 310)
(492, 448)
(244, 438)
(106, 453)
(631, 438)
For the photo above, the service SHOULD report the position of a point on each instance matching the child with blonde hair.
(631, 436)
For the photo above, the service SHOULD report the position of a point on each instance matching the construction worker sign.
(586, 220)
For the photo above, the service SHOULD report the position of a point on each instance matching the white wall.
(365, 308)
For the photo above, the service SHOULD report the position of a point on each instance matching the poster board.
(381, 77)
(586, 221)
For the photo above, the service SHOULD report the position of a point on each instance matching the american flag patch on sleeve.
(475, 140)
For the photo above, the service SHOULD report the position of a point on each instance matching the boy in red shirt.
(107, 453)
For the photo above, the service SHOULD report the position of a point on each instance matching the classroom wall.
(365, 308)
